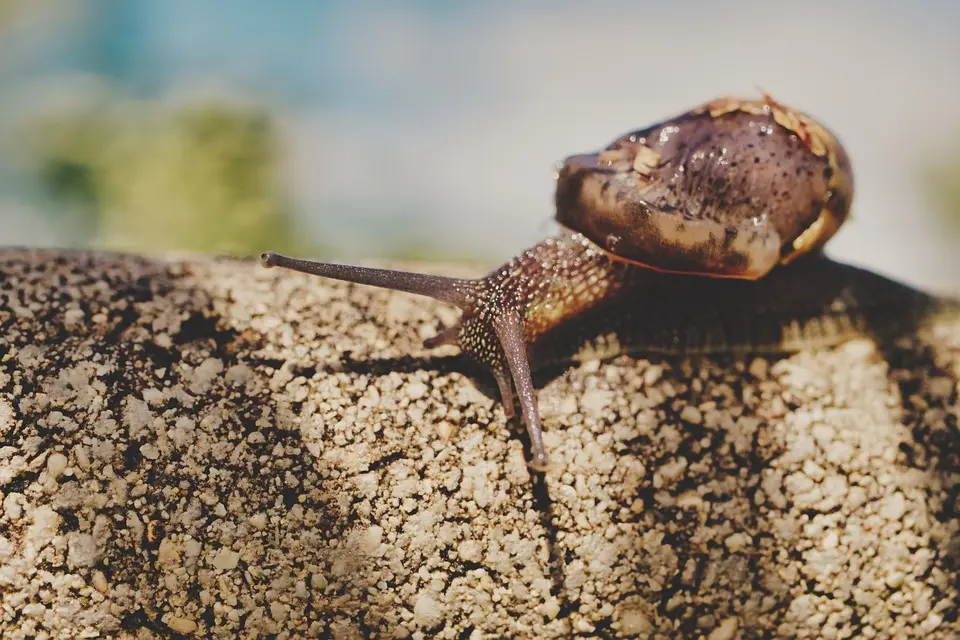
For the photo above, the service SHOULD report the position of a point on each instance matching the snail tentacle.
(457, 291)
(510, 331)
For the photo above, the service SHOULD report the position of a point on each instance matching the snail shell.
(729, 189)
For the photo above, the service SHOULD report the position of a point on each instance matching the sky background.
(438, 124)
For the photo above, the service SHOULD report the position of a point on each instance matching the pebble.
(691, 414)
(894, 507)
(567, 406)
(371, 540)
(670, 471)
(168, 553)
(652, 375)
(634, 622)
(446, 431)
(99, 582)
(823, 434)
(279, 611)
(798, 483)
(737, 542)
(839, 453)
(470, 551)
(931, 622)
(82, 550)
(238, 374)
(834, 486)
(181, 625)
(426, 611)
(759, 368)
(192, 548)
(153, 397)
(726, 631)
(549, 608)
(416, 390)
(56, 464)
(940, 387)
(226, 559)
(149, 451)
(73, 315)
(895, 579)
(11, 506)
(690, 499)
(813, 470)
(831, 540)
(596, 401)
(583, 626)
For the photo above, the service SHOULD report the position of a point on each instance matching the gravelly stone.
(207, 448)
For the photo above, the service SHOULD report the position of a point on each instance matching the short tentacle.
(506, 391)
(447, 335)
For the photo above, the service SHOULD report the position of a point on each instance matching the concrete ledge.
(206, 448)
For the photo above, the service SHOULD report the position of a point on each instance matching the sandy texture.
(204, 448)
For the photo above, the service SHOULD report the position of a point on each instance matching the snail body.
(680, 237)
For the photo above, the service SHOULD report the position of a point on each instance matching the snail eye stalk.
(456, 291)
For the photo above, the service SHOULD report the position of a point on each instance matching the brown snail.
(678, 239)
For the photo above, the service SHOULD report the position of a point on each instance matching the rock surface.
(202, 448)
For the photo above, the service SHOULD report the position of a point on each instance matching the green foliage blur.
(10, 11)
(151, 177)
(942, 181)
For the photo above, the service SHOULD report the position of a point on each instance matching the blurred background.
(430, 129)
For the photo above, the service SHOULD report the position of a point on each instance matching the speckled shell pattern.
(728, 189)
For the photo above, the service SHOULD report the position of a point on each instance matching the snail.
(699, 234)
